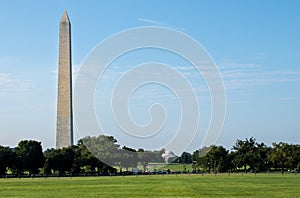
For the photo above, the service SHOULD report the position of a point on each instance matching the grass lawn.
(250, 185)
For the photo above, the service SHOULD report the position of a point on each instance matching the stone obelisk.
(64, 122)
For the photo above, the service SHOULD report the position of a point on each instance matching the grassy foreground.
(250, 185)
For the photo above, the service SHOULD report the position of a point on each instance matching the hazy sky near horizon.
(255, 44)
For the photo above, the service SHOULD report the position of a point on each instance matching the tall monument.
(64, 122)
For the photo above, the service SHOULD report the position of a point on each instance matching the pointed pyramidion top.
(65, 18)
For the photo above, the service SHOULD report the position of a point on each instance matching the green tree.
(262, 153)
(282, 155)
(87, 161)
(59, 160)
(218, 159)
(104, 148)
(185, 158)
(195, 156)
(7, 159)
(29, 156)
(245, 153)
(128, 158)
(147, 156)
(296, 156)
(199, 156)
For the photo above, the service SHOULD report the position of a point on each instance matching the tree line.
(249, 155)
(246, 155)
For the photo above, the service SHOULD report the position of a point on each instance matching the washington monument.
(64, 122)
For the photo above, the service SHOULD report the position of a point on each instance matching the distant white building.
(167, 155)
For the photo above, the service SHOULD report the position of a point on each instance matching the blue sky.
(255, 44)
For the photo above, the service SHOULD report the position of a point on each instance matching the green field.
(247, 185)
